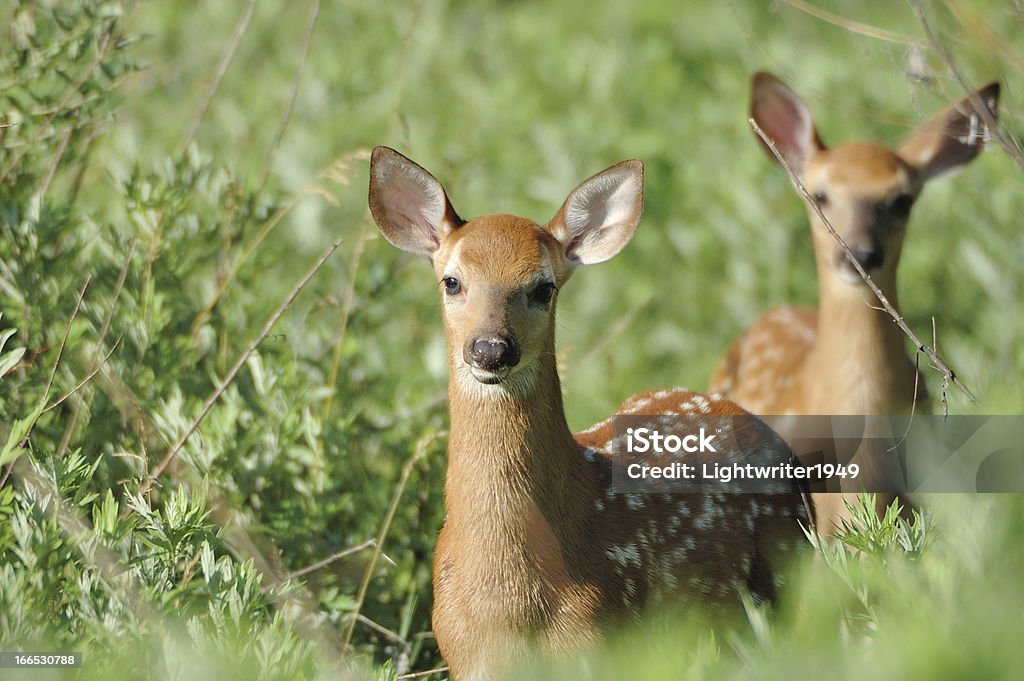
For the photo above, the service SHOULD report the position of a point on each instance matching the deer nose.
(492, 353)
(870, 257)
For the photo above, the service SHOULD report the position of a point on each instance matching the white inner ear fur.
(597, 212)
(414, 197)
(787, 121)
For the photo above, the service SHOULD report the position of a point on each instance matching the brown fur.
(536, 553)
(846, 357)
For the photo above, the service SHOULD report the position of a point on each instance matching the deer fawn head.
(499, 274)
(865, 189)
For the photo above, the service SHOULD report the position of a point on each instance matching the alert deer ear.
(601, 215)
(785, 119)
(954, 137)
(408, 204)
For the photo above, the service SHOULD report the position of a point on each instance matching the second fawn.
(847, 356)
(537, 551)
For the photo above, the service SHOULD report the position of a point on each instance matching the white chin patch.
(489, 384)
(489, 377)
(851, 276)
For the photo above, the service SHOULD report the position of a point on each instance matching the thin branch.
(853, 26)
(380, 628)
(937, 362)
(913, 404)
(88, 377)
(64, 340)
(419, 453)
(56, 161)
(104, 328)
(339, 343)
(615, 330)
(368, 544)
(243, 358)
(417, 675)
(116, 296)
(189, 570)
(314, 12)
(40, 407)
(1010, 146)
(945, 383)
(222, 67)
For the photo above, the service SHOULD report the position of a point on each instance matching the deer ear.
(408, 203)
(601, 215)
(953, 138)
(785, 119)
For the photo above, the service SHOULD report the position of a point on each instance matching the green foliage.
(138, 262)
(867, 533)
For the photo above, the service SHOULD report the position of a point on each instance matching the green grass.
(186, 247)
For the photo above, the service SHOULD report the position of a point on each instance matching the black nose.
(492, 353)
(869, 257)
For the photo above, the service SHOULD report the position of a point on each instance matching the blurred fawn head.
(865, 189)
(499, 275)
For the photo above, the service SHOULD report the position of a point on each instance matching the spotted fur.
(847, 356)
(538, 552)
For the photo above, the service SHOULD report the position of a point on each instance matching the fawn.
(846, 357)
(537, 551)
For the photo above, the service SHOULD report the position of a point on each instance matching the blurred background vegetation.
(169, 172)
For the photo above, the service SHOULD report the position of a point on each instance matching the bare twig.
(190, 570)
(937, 362)
(88, 377)
(368, 544)
(1010, 146)
(104, 328)
(976, 21)
(222, 67)
(945, 383)
(419, 453)
(854, 26)
(52, 170)
(314, 12)
(64, 340)
(913, 404)
(339, 342)
(403, 415)
(614, 331)
(380, 628)
(243, 358)
(41, 405)
(428, 672)
(116, 296)
(224, 281)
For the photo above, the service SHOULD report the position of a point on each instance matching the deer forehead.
(861, 169)
(504, 251)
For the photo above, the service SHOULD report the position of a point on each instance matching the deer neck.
(511, 456)
(859, 364)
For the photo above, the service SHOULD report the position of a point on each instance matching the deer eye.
(452, 286)
(543, 293)
(821, 198)
(901, 205)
